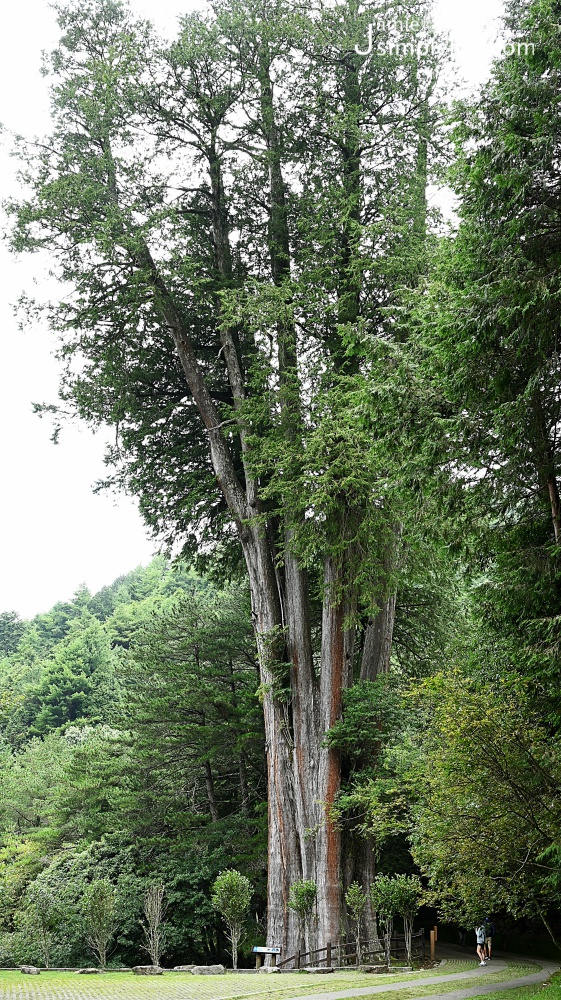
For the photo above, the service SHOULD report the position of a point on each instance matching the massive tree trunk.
(333, 679)
(315, 705)
(284, 850)
(377, 644)
(304, 775)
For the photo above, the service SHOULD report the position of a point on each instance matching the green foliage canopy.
(231, 896)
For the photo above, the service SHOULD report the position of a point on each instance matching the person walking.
(489, 934)
(480, 938)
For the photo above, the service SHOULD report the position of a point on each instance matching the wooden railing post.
(298, 958)
(328, 955)
(432, 946)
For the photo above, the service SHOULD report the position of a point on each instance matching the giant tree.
(233, 218)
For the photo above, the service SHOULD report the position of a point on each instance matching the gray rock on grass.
(319, 970)
(183, 968)
(89, 972)
(208, 970)
(30, 970)
(147, 970)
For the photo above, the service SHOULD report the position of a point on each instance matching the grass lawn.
(184, 986)
(543, 991)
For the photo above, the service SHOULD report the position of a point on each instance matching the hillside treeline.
(132, 750)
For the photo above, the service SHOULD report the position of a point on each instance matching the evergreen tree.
(232, 313)
(491, 328)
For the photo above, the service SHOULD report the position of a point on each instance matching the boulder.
(208, 970)
(88, 972)
(268, 968)
(30, 970)
(147, 970)
(183, 968)
(319, 970)
(372, 968)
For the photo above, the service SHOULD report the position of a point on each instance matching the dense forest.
(343, 411)
(132, 750)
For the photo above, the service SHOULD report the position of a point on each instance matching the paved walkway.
(544, 971)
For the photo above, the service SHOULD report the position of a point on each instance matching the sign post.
(259, 952)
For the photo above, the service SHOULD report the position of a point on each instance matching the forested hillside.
(344, 409)
(132, 749)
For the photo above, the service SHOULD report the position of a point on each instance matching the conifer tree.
(235, 216)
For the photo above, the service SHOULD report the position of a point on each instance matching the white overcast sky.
(55, 533)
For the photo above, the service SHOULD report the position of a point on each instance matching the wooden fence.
(344, 953)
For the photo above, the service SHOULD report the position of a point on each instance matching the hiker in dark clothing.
(489, 933)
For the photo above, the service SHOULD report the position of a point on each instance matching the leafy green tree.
(41, 920)
(191, 702)
(373, 712)
(302, 900)
(190, 731)
(68, 686)
(100, 917)
(372, 806)
(386, 899)
(408, 889)
(20, 862)
(494, 777)
(231, 896)
(31, 780)
(356, 900)
(140, 584)
(11, 630)
(54, 625)
(489, 324)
